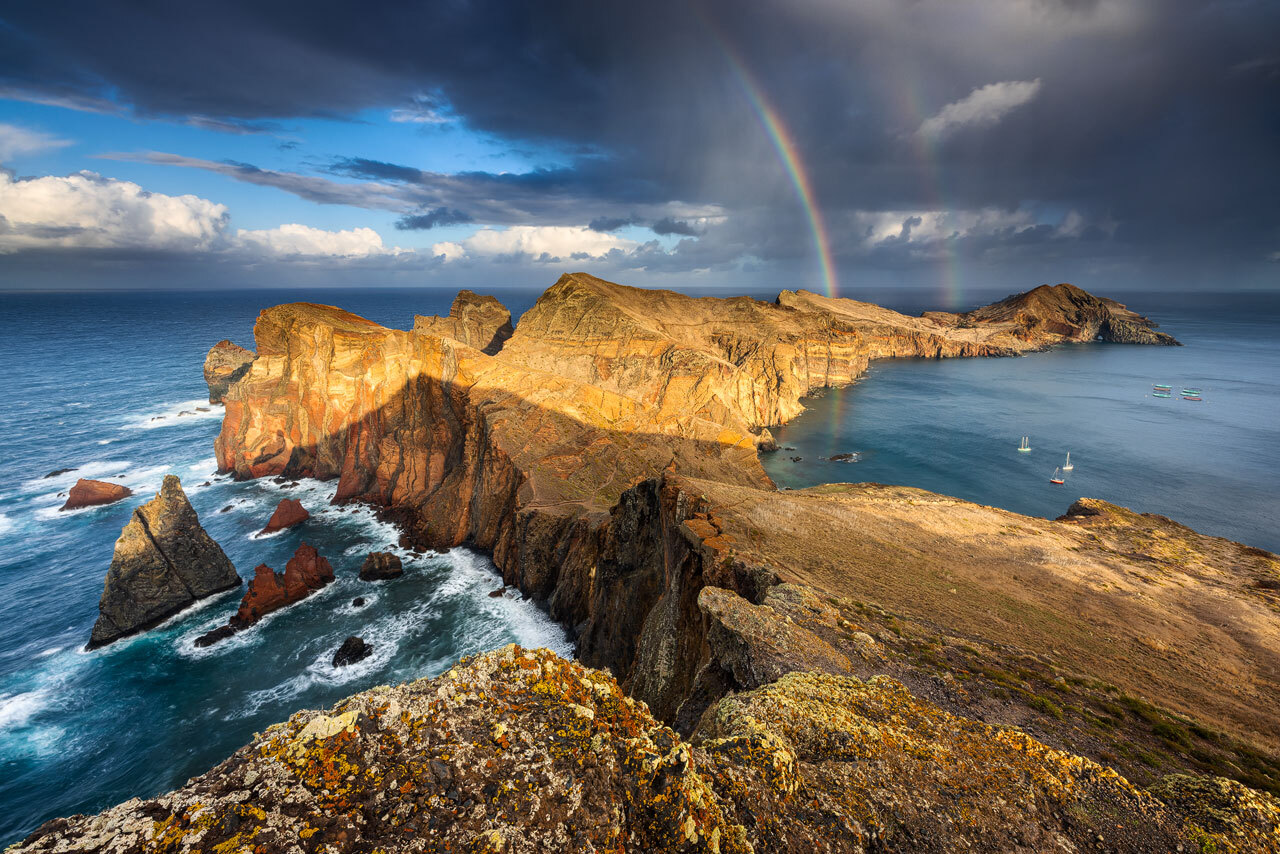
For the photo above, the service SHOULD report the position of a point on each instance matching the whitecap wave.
(176, 415)
(17, 709)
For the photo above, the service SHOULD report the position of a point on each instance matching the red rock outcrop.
(225, 364)
(92, 493)
(305, 573)
(477, 321)
(288, 512)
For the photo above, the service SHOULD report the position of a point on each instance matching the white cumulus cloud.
(294, 240)
(541, 242)
(985, 105)
(16, 140)
(85, 210)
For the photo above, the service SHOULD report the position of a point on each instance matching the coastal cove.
(952, 426)
(441, 609)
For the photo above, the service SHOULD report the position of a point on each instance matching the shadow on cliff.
(577, 516)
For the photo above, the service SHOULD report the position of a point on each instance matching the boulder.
(288, 512)
(380, 566)
(91, 493)
(353, 649)
(164, 562)
(225, 364)
(357, 602)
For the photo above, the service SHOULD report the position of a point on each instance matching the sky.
(836, 145)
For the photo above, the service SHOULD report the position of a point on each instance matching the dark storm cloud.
(431, 219)
(611, 223)
(670, 225)
(1156, 117)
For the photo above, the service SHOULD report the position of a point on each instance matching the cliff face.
(477, 321)
(522, 752)
(164, 562)
(605, 457)
(225, 364)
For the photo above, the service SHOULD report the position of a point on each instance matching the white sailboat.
(1067, 465)
(1025, 447)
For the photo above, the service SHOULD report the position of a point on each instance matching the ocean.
(98, 382)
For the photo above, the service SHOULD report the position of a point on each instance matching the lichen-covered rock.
(477, 321)
(225, 364)
(93, 493)
(164, 561)
(1223, 813)
(520, 751)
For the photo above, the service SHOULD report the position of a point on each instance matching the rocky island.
(850, 667)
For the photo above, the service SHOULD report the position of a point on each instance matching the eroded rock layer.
(477, 321)
(164, 561)
(225, 363)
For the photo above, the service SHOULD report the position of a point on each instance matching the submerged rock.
(851, 457)
(288, 512)
(164, 561)
(225, 364)
(57, 472)
(380, 566)
(353, 649)
(91, 493)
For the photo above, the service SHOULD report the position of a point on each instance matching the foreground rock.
(477, 321)
(522, 752)
(381, 566)
(164, 561)
(225, 364)
(288, 512)
(353, 649)
(92, 493)
(305, 573)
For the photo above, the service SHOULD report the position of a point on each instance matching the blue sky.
(944, 143)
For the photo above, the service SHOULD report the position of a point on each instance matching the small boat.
(1164, 394)
(1067, 465)
(1192, 397)
(1161, 387)
(1191, 391)
(1025, 447)
(1057, 477)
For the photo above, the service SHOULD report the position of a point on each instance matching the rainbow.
(790, 156)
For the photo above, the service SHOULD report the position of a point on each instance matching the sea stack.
(225, 364)
(92, 493)
(164, 562)
(289, 512)
(305, 573)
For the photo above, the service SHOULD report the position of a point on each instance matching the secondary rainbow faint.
(790, 156)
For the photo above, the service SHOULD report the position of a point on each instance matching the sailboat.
(1067, 465)
(1025, 447)
(1057, 476)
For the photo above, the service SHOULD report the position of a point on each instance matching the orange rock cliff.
(844, 668)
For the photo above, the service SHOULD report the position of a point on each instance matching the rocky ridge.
(649, 528)
(164, 562)
(477, 321)
(520, 751)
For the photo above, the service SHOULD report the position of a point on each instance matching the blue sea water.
(99, 382)
(953, 426)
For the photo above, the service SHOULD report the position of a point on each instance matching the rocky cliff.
(605, 457)
(164, 562)
(224, 364)
(522, 752)
(477, 321)
(1052, 313)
